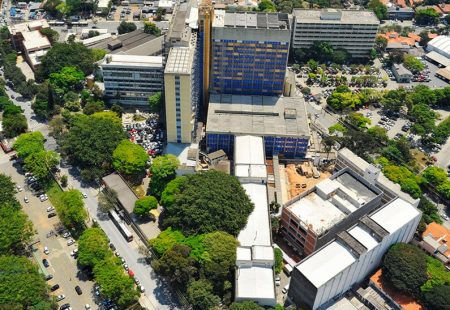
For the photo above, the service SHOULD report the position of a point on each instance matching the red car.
(130, 273)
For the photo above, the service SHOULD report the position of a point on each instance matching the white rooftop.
(112, 60)
(257, 231)
(265, 253)
(394, 215)
(363, 237)
(254, 283)
(243, 254)
(34, 40)
(249, 157)
(103, 4)
(326, 263)
(180, 60)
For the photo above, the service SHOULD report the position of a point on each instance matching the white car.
(46, 250)
(50, 209)
(66, 234)
(43, 197)
(70, 241)
(74, 252)
(87, 307)
(142, 288)
(60, 297)
(19, 188)
(84, 195)
(125, 266)
(26, 199)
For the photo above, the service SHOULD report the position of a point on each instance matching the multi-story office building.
(249, 52)
(313, 219)
(352, 30)
(327, 274)
(131, 79)
(181, 86)
(281, 121)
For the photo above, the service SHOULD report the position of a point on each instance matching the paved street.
(155, 296)
(62, 266)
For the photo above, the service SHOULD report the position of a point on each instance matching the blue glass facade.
(248, 67)
(290, 147)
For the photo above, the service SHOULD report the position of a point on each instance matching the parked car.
(66, 234)
(65, 307)
(45, 263)
(19, 188)
(26, 200)
(70, 241)
(84, 195)
(60, 297)
(78, 290)
(48, 277)
(112, 246)
(74, 253)
(54, 287)
(51, 214)
(46, 251)
(50, 209)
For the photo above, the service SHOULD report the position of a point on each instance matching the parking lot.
(62, 266)
(147, 132)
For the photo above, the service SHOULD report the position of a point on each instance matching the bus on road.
(121, 225)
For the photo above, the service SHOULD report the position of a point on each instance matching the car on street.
(50, 209)
(87, 307)
(125, 266)
(45, 262)
(46, 250)
(60, 297)
(113, 248)
(78, 290)
(141, 288)
(66, 234)
(54, 287)
(70, 241)
(65, 307)
(51, 214)
(43, 197)
(19, 188)
(84, 195)
(48, 277)
(74, 253)
(26, 199)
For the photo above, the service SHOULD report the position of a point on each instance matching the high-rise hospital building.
(249, 53)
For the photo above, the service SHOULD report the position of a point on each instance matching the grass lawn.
(54, 193)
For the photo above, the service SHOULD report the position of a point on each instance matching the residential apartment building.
(314, 218)
(181, 87)
(282, 122)
(327, 274)
(352, 30)
(249, 52)
(130, 79)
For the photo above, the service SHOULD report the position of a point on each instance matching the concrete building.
(401, 13)
(281, 121)
(402, 75)
(130, 79)
(435, 241)
(184, 21)
(352, 30)
(327, 274)
(441, 45)
(181, 86)
(28, 38)
(391, 190)
(255, 256)
(249, 53)
(314, 218)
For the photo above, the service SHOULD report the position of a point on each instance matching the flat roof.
(249, 157)
(257, 231)
(243, 254)
(125, 195)
(326, 263)
(342, 304)
(395, 214)
(444, 72)
(103, 3)
(441, 59)
(255, 282)
(364, 237)
(254, 20)
(257, 115)
(180, 60)
(334, 16)
(111, 60)
(331, 201)
(34, 40)
(263, 253)
(130, 42)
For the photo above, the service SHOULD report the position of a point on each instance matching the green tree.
(166, 240)
(405, 267)
(14, 125)
(29, 143)
(117, 109)
(15, 228)
(379, 9)
(69, 78)
(278, 260)
(208, 202)
(340, 56)
(413, 64)
(90, 143)
(93, 247)
(155, 101)
(129, 158)
(98, 53)
(438, 298)
(434, 175)
(424, 118)
(52, 35)
(126, 27)
(245, 305)
(176, 265)
(8, 192)
(201, 296)
(430, 213)
(358, 120)
(160, 12)
(151, 28)
(394, 100)
(426, 17)
(437, 274)
(424, 38)
(93, 107)
(64, 180)
(107, 200)
(163, 170)
(66, 55)
(267, 6)
(71, 210)
(380, 44)
(338, 127)
(172, 189)
(42, 163)
(144, 205)
(21, 285)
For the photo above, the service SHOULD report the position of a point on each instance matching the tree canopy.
(68, 78)
(29, 143)
(201, 296)
(438, 298)
(41, 163)
(245, 305)
(129, 158)
(144, 205)
(163, 170)
(413, 64)
(71, 210)
(405, 267)
(126, 27)
(426, 16)
(90, 143)
(151, 28)
(93, 247)
(208, 202)
(379, 9)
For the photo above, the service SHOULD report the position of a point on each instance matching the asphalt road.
(62, 266)
(156, 295)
